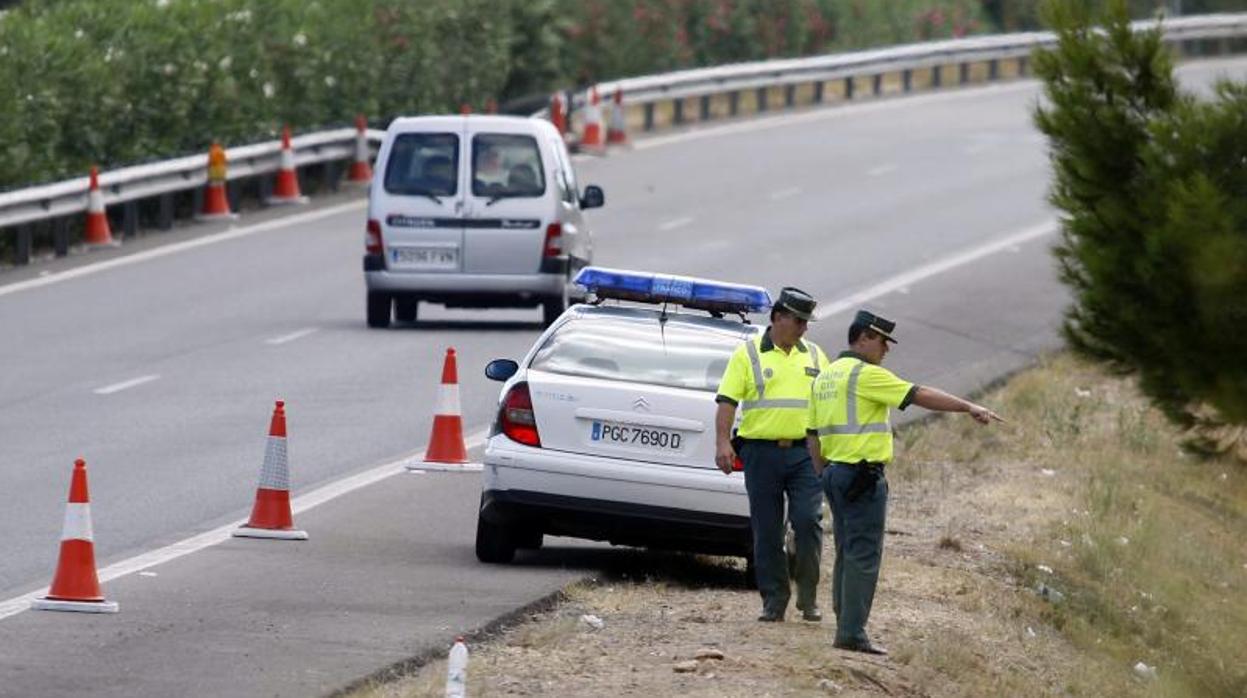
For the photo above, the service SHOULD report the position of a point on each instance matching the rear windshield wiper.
(422, 192)
(496, 198)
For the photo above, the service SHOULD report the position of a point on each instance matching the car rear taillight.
(372, 238)
(554, 240)
(738, 465)
(516, 419)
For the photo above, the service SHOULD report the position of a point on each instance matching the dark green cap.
(869, 320)
(797, 302)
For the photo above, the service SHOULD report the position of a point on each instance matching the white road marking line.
(675, 223)
(300, 504)
(881, 170)
(125, 385)
(784, 193)
(177, 247)
(836, 112)
(292, 336)
(906, 279)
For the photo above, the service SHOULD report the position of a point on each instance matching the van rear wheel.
(379, 305)
(405, 309)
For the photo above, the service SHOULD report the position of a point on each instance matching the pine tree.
(1151, 185)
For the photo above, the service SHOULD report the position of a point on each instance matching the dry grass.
(1084, 492)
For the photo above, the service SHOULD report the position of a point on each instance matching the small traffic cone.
(446, 445)
(286, 189)
(361, 171)
(465, 108)
(271, 517)
(216, 202)
(617, 131)
(76, 586)
(558, 115)
(491, 106)
(591, 141)
(98, 233)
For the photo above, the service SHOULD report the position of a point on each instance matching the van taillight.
(372, 238)
(516, 419)
(738, 465)
(554, 240)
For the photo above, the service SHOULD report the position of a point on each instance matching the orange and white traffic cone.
(592, 141)
(361, 170)
(98, 233)
(76, 585)
(216, 202)
(617, 131)
(558, 115)
(271, 517)
(286, 188)
(447, 450)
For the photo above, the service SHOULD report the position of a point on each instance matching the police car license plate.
(650, 438)
(425, 257)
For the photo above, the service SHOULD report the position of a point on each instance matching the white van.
(474, 211)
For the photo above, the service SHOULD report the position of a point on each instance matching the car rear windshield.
(506, 165)
(423, 164)
(639, 350)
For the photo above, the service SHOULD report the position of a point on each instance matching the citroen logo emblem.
(640, 405)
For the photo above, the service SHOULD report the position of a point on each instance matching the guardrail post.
(848, 87)
(876, 84)
(761, 98)
(130, 219)
(907, 79)
(25, 241)
(649, 116)
(60, 237)
(818, 92)
(332, 170)
(965, 73)
(733, 103)
(705, 107)
(165, 218)
(790, 96)
(1023, 66)
(937, 76)
(266, 187)
(677, 111)
(233, 192)
(993, 69)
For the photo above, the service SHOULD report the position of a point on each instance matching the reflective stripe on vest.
(759, 384)
(851, 426)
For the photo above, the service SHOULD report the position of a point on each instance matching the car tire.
(530, 539)
(493, 542)
(552, 308)
(405, 309)
(379, 305)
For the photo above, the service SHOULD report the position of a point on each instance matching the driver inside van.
(488, 172)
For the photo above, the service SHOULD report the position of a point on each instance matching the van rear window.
(423, 164)
(506, 165)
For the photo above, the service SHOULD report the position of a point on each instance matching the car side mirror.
(593, 198)
(501, 369)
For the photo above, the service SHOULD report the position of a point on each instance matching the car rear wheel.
(405, 309)
(493, 542)
(530, 539)
(552, 308)
(379, 309)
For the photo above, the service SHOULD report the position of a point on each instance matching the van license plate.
(649, 438)
(425, 257)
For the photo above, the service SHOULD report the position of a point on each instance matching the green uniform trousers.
(858, 530)
(771, 473)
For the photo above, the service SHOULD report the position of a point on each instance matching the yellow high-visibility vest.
(849, 409)
(771, 388)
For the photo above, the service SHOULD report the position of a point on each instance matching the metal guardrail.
(23, 207)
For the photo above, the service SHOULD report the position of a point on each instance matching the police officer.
(769, 378)
(850, 442)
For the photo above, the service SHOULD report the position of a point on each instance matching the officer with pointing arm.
(850, 442)
(769, 378)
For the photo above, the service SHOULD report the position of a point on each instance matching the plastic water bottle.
(457, 670)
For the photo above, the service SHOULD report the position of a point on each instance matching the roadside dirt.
(950, 606)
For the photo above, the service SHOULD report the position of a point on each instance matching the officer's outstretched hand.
(982, 415)
(725, 457)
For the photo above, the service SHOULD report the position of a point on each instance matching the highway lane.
(831, 204)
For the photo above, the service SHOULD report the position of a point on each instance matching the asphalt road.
(162, 374)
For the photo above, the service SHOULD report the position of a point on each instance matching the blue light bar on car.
(690, 292)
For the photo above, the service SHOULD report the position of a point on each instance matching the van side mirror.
(593, 198)
(501, 369)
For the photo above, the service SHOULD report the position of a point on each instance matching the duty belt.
(782, 443)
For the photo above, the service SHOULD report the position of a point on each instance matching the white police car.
(605, 430)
